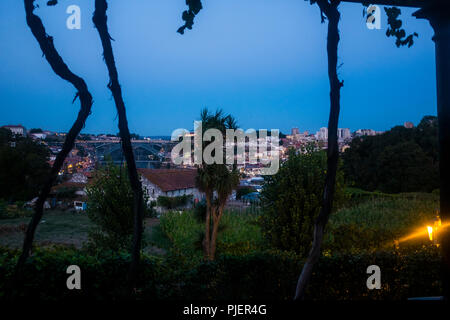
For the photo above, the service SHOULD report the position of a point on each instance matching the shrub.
(102, 277)
(183, 231)
(12, 211)
(110, 208)
(242, 191)
(174, 202)
(150, 211)
(268, 275)
(291, 200)
(273, 275)
(356, 196)
(239, 233)
(200, 211)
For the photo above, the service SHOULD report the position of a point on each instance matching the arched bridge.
(147, 154)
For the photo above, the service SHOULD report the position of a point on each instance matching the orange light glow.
(430, 232)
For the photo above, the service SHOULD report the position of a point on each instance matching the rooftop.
(170, 179)
(13, 126)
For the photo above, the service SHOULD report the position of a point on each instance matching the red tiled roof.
(170, 179)
(68, 184)
(13, 126)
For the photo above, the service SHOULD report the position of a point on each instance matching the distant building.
(295, 131)
(344, 134)
(322, 134)
(39, 135)
(78, 183)
(365, 132)
(408, 125)
(17, 129)
(169, 183)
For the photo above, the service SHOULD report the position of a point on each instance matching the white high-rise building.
(344, 133)
(322, 134)
(295, 131)
(365, 132)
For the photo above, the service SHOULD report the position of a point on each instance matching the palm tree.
(217, 181)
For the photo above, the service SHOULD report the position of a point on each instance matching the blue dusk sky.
(263, 61)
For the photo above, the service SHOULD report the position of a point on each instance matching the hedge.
(270, 275)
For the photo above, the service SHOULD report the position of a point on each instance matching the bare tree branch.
(100, 22)
(329, 8)
(60, 68)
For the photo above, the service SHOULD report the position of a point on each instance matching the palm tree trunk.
(212, 249)
(60, 68)
(216, 222)
(333, 15)
(100, 22)
(207, 239)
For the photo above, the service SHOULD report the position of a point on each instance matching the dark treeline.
(399, 160)
(23, 166)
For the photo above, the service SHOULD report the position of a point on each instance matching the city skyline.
(285, 132)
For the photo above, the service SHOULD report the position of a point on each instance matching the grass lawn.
(397, 214)
(58, 227)
(376, 223)
(69, 228)
(239, 232)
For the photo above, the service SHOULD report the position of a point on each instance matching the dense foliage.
(239, 233)
(368, 222)
(12, 211)
(23, 166)
(268, 275)
(400, 160)
(108, 207)
(244, 190)
(291, 200)
(357, 236)
(174, 202)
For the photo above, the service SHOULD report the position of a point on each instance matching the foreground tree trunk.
(100, 22)
(207, 240)
(439, 17)
(333, 15)
(216, 221)
(60, 68)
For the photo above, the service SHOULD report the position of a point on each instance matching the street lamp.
(433, 230)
